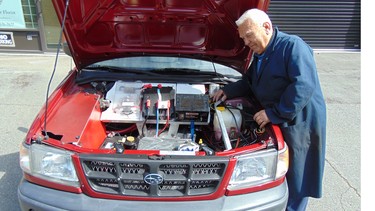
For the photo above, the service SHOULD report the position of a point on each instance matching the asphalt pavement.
(23, 84)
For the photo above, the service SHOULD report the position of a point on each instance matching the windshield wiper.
(183, 71)
(120, 69)
(173, 69)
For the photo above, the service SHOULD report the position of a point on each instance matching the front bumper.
(35, 197)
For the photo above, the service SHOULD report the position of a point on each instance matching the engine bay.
(175, 118)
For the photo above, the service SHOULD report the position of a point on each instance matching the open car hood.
(98, 30)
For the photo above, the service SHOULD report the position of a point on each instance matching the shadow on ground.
(12, 174)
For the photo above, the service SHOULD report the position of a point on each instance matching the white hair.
(257, 16)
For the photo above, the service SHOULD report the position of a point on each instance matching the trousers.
(298, 204)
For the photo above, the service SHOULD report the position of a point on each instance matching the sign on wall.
(6, 39)
(11, 14)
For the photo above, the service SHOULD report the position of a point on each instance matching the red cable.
(131, 128)
(166, 124)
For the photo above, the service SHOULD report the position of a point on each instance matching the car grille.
(171, 176)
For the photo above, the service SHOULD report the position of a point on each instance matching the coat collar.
(271, 45)
(269, 50)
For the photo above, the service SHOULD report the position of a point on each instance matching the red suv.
(132, 126)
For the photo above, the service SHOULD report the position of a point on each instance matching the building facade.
(28, 26)
(32, 25)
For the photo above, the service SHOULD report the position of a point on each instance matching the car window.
(148, 63)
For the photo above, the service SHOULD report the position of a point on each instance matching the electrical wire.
(167, 123)
(126, 130)
(246, 139)
(157, 112)
(144, 124)
(147, 107)
(54, 69)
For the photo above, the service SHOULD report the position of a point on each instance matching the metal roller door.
(324, 25)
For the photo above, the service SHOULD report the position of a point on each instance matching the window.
(29, 14)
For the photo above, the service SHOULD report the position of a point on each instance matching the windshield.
(153, 63)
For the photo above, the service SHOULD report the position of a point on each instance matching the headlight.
(254, 169)
(48, 163)
(282, 162)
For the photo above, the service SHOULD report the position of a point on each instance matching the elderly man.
(284, 79)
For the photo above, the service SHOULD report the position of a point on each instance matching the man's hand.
(261, 118)
(219, 95)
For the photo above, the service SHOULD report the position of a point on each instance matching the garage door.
(324, 25)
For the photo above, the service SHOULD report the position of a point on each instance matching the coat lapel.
(267, 55)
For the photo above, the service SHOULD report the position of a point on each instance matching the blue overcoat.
(288, 87)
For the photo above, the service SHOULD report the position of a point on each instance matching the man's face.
(254, 36)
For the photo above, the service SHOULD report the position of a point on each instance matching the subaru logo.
(153, 179)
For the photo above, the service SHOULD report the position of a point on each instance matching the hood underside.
(98, 30)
